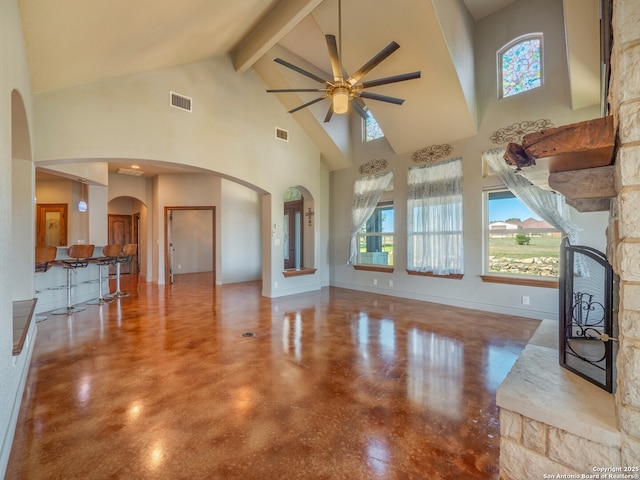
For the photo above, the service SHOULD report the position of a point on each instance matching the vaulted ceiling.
(71, 42)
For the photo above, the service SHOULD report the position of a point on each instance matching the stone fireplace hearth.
(551, 420)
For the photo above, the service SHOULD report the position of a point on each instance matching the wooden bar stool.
(45, 255)
(110, 255)
(128, 252)
(79, 256)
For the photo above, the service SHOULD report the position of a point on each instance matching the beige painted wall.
(231, 132)
(14, 76)
(240, 220)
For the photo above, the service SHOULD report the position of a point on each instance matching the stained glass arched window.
(372, 130)
(520, 65)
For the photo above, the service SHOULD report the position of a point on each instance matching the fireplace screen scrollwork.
(587, 328)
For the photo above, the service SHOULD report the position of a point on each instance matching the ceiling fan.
(344, 89)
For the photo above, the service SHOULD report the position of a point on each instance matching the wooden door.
(51, 224)
(120, 233)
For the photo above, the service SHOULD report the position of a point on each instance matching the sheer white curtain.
(366, 195)
(434, 218)
(549, 205)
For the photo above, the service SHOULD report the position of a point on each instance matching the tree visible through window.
(519, 242)
(520, 65)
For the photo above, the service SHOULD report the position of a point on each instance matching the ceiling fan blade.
(360, 107)
(382, 98)
(329, 113)
(288, 90)
(334, 56)
(393, 79)
(302, 71)
(371, 64)
(307, 104)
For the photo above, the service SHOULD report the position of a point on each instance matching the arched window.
(520, 65)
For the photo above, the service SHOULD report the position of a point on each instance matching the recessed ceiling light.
(135, 166)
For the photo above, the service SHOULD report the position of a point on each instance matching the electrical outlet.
(525, 300)
(375, 281)
(275, 284)
(391, 283)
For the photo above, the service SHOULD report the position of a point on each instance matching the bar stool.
(128, 252)
(45, 255)
(79, 256)
(110, 255)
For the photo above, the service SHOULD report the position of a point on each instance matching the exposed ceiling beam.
(285, 17)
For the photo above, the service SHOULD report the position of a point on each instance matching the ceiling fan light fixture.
(343, 87)
(340, 100)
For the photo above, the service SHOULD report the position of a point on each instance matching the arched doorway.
(127, 223)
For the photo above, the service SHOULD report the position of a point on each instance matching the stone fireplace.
(552, 421)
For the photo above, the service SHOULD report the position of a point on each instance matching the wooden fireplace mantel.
(580, 159)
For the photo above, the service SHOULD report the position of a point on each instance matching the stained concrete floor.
(334, 384)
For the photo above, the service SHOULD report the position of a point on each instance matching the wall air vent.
(180, 101)
(282, 134)
(130, 171)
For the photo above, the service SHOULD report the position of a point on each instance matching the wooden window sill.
(299, 272)
(525, 281)
(452, 276)
(374, 268)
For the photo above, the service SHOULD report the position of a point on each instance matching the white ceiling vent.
(130, 171)
(180, 101)
(282, 134)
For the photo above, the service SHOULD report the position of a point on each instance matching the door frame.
(135, 235)
(167, 253)
(41, 210)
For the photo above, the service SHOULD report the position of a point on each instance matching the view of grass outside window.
(375, 241)
(519, 241)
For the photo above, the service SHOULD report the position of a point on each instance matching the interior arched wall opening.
(22, 202)
(135, 212)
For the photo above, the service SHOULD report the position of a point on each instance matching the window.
(518, 241)
(520, 65)
(372, 130)
(434, 209)
(367, 193)
(375, 240)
